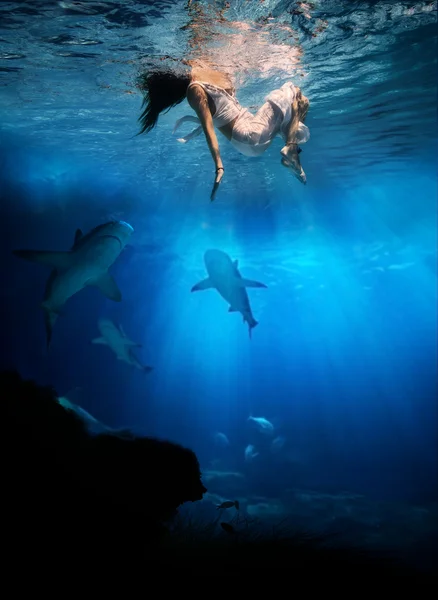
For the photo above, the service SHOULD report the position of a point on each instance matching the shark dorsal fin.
(78, 236)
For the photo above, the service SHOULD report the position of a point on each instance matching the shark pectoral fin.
(251, 283)
(205, 284)
(108, 287)
(132, 344)
(231, 309)
(99, 340)
(57, 260)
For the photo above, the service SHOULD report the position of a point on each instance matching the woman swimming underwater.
(211, 95)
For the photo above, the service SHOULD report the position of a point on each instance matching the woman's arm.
(197, 98)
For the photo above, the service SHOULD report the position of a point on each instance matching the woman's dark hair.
(162, 90)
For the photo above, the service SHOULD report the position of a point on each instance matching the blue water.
(344, 359)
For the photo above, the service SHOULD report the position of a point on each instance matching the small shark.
(94, 427)
(224, 276)
(120, 344)
(87, 263)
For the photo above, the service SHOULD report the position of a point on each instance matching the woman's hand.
(217, 180)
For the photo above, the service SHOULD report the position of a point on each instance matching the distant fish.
(401, 266)
(115, 338)
(221, 439)
(250, 453)
(228, 528)
(86, 264)
(224, 276)
(278, 443)
(228, 504)
(212, 474)
(262, 424)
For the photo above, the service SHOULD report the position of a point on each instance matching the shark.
(85, 264)
(115, 338)
(94, 427)
(92, 424)
(224, 276)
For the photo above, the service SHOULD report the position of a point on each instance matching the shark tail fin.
(251, 324)
(50, 318)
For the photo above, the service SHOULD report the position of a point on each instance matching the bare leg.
(303, 107)
(290, 154)
(293, 126)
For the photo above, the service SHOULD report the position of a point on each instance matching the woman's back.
(205, 75)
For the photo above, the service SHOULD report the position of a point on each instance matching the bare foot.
(291, 160)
